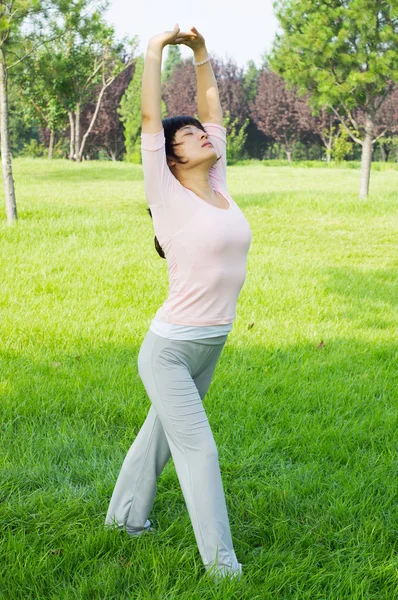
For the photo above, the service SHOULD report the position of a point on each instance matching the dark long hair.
(170, 126)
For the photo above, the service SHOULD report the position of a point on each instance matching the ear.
(170, 162)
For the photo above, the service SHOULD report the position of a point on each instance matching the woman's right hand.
(167, 37)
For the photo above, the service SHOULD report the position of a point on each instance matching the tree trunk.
(115, 153)
(77, 134)
(9, 191)
(72, 135)
(329, 149)
(51, 144)
(289, 155)
(383, 153)
(366, 158)
(94, 117)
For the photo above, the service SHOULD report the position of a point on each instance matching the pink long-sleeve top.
(205, 246)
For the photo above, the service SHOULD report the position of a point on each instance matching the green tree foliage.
(34, 80)
(250, 80)
(344, 53)
(342, 145)
(236, 138)
(173, 58)
(130, 114)
(22, 122)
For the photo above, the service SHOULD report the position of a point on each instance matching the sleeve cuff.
(153, 141)
(217, 130)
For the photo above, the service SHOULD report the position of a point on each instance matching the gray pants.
(176, 375)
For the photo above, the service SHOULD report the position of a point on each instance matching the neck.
(197, 180)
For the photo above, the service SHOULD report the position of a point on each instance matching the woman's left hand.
(193, 39)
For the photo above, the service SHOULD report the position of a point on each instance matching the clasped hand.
(193, 39)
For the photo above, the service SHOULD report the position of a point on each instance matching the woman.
(205, 239)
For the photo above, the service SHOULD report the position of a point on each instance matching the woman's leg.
(130, 505)
(135, 488)
(167, 369)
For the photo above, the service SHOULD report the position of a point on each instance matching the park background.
(303, 405)
(76, 94)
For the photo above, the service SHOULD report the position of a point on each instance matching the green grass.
(303, 404)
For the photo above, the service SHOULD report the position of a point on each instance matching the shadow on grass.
(373, 291)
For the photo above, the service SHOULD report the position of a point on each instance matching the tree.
(250, 80)
(173, 58)
(107, 133)
(341, 144)
(14, 47)
(113, 62)
(387, 120)
(255, 142)
(34, 80)
(82, 64)
(236, 139)
(344, 54)
(278, 112)
(23, 122)
(179, 91)
(130, 114)
(327, 127)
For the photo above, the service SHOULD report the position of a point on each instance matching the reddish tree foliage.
(387, 119)
(279, 112)
(179, 92)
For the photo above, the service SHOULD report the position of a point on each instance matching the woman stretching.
(205, 239)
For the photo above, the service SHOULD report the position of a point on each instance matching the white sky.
(243, 33)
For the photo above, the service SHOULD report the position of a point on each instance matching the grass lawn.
(303, 404)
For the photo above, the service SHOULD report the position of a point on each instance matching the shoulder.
(213, 123)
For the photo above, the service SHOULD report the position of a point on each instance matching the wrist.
(155, 46)
(200, 53)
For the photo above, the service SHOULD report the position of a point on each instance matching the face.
(190, 146)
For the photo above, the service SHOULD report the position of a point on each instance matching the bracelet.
(202, 62)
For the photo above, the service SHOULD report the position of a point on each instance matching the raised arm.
(209, 107)
(151, 87)
(150, 93)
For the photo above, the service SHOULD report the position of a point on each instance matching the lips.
(206, 144)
